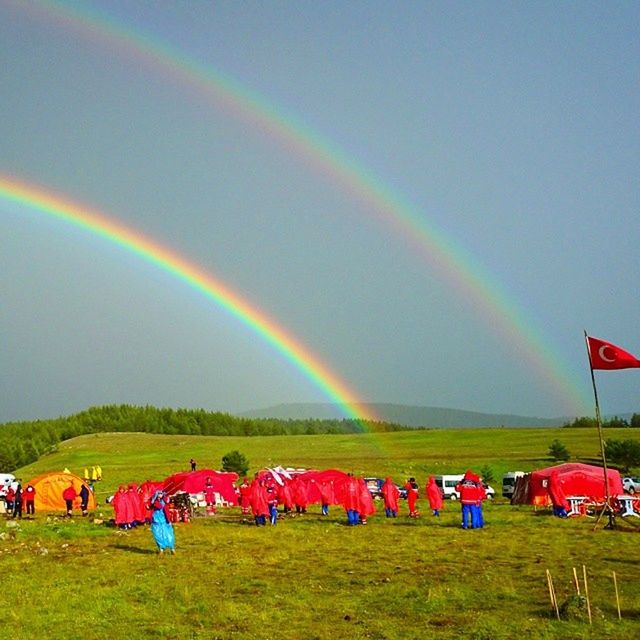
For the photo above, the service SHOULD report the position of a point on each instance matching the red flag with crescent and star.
(604, 355)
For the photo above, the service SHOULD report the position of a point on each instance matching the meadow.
(312, 576)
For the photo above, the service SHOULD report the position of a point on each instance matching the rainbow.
(45, 202)
(470, 280)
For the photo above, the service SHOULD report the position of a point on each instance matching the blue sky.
(512, 127)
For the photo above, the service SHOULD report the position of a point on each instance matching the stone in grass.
(575, 608)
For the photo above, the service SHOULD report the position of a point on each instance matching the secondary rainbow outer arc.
(466, 275)
(115, 232)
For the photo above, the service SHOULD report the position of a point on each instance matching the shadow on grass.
(138, 550)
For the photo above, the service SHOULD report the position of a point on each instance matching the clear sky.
(509, 129)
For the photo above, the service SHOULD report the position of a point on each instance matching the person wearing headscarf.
(390, 496)
(161, 527)
(434, 495)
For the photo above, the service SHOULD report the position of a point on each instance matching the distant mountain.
(405, 415)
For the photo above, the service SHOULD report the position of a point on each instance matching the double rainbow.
(465, 275)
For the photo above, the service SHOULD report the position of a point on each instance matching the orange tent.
(49, 488)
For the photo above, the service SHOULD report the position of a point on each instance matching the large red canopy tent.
(195, 481)
(575, 479)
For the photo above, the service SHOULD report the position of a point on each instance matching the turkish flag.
(605, 355)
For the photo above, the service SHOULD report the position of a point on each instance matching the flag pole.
(607, 506)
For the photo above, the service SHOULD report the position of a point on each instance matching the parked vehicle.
(509, 482)
(631, 484)
(6, 480)
(448, 483)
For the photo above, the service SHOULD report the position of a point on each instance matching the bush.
(558, 451)
(236, 462)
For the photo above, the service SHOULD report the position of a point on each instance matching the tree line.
(22, 443)
(607, 423)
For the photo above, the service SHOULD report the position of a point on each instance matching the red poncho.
(259, 500)
(390, 494)
(434, 494)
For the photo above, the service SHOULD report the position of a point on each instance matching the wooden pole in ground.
(552, 594)
(586, 592)
(576, 582)
(615, 584)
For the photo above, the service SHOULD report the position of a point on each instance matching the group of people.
(18, 499)
(70, 494)
(262, 495)
(391, 496)
(146, 504)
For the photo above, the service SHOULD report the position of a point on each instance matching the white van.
(447, 485)
(6, 480)
(509, 482)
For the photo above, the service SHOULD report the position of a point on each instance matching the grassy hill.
(311, 576)
(405, 415)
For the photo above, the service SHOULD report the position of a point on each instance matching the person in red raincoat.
(366, 507)
(558, 497)
(390, 496)
(327, 496)
(259, 502)
(412, 497)
(244, 497)
(300, 496)
(434, 495)
(286, 496)
(122, 508)
(351, 500)
(210, 496)
(137, 506)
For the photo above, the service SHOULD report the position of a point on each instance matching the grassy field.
(312, 576)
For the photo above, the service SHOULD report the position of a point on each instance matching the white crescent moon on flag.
(601, 351)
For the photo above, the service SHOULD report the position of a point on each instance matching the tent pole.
(607, 505)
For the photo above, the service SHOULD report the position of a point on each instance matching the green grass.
(313, 577)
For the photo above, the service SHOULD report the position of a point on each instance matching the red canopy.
(575, 479)
(316, 478)
(194, 482)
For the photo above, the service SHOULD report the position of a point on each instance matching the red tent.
(576, 479)
(194, 482)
